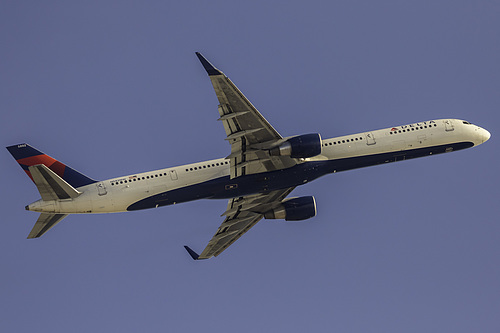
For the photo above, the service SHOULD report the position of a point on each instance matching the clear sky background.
(114, 88)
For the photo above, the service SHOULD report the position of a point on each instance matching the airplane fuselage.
(211, 179)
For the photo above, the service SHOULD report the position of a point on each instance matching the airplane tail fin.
(28, 156)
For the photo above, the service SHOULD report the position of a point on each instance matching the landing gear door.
(448, 125)
(370, 139)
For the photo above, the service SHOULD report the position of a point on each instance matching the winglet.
(193, 254)
(211, 70)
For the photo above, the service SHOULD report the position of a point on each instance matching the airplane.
(262, 169)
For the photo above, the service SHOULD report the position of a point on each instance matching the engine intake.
(295, 209)
(301, 146)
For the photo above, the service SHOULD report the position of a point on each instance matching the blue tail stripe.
(76, 179)
(22, 151)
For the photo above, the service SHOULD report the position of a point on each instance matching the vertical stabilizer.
(28, 156)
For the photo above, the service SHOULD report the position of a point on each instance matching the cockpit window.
(466, 122)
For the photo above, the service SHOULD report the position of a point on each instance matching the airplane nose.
(485, 135)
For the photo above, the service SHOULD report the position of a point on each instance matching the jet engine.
(294, 209)
(301, 146)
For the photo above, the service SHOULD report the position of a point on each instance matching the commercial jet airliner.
(262, 169)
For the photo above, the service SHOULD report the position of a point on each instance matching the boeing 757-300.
(256, 177)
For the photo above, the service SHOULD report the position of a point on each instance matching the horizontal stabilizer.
(44, 223)
(50, 185)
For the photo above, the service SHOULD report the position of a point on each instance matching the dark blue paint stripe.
(23, 151)
(280, 179)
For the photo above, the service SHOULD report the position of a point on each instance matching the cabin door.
(101, 189)
(448, 125)
(370, 139)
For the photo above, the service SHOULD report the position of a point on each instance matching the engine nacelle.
(301, 146)
(295, 209)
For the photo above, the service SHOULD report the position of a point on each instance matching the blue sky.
(113, 88)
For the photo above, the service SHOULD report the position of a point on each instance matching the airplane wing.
(248, 132)
(242, 214)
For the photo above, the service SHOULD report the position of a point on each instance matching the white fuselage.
(390, 144)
